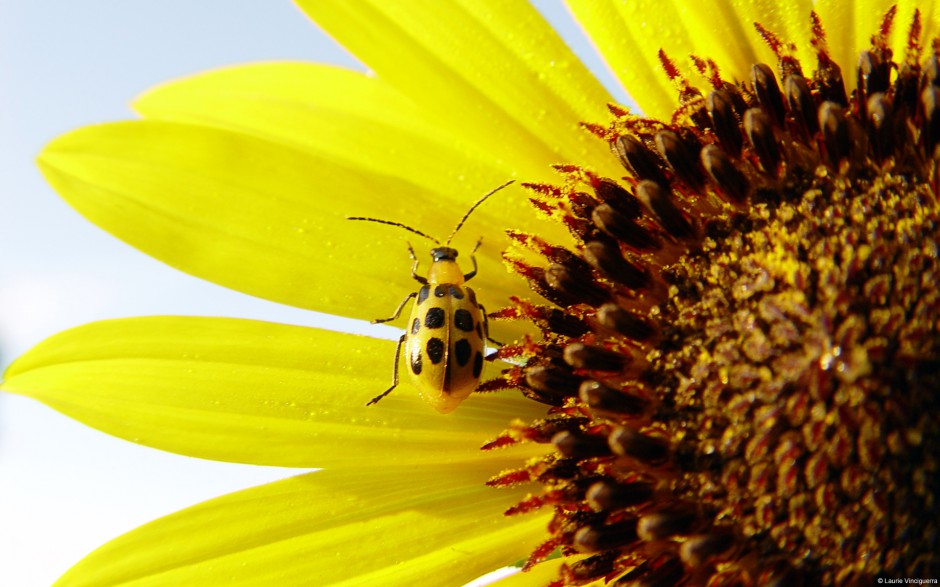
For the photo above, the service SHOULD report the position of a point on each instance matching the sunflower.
(720, 312)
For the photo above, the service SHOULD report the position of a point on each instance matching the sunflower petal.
(352, 119)
(370, 525)
(494, 73)
(256, 216)
(251, 392)
(850, 25)
(542, 574)
(357, 121)
(629, 35)
(629, 58)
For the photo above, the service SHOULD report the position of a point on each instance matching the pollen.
(742, 353)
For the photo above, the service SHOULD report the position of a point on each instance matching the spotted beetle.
(447, 331)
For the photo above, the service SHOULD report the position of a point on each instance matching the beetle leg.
(486, 328)
(473, 259)
(401, 341)
(414, 267)
(397, 311)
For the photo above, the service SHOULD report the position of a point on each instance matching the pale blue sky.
(64, 488)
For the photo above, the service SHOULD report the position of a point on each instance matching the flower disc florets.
(743, 350)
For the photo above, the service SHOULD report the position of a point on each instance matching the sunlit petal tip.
(247, 391)
(310, 529)
(257, 216)
(511, 108)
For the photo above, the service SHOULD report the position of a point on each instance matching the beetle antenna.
(398, 224)
(474, 207)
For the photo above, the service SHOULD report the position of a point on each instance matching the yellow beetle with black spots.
(447, 331)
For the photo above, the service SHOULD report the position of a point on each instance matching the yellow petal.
(542, 574)
(353, 120)
(850, 26)
(261, 217)
(929, 17)
(629, 36)
(493, 73)
(628, 58)
(372, 525)
(254, 392)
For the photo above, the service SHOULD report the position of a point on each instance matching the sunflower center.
(800, 370)
(742, 353)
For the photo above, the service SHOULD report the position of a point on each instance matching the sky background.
(65, 488)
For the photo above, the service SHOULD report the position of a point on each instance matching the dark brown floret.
(802, 105)
(624, 229)
(660, 202)
(760, 134)
(682, 155)
(880, 128)
(744, 357)
(639, 160)
(628, 324)
(725, 123)
(835, 133)
(768, 93)
(724, 174)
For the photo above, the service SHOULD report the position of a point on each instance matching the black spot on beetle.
(462, 351)
(415, 326)
(463, 320)
(435, 348)
(440, 290)
(416, 362)
(477, 364)
(435, 318)
(456, 291)
(423, 293)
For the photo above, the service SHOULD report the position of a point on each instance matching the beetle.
(447, 330)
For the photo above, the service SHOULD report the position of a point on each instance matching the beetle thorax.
(444, 268)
